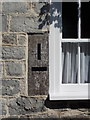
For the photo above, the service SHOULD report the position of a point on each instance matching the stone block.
(0, 8)
(23, 87)
(3, 24)
(48, 115)
(14, 7)
(21, 40)
(2, 107)
(37, 6)
(1, 70)
(9, 38)
(0, 24)
(33, 41)
(26, 105)
(38, 83)
(0, 86)
(13, 52)
(28, 24)
(10, 87)
(14, 69)
(0, 52)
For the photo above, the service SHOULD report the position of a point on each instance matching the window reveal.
(69, 58)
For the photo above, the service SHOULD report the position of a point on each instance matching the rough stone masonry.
(25, 92)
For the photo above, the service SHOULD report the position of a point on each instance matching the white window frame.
(57, 90)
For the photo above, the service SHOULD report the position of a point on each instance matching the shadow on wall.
(73, 104)
(50, 13)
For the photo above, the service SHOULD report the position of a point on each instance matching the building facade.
(24, 66)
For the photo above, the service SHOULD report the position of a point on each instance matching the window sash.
(71, 40)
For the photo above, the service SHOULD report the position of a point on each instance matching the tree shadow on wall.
(50, 13)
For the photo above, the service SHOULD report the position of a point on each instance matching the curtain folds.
(70, 63)
(85, 63)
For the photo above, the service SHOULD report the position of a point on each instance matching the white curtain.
(70, 63)
(85, 63)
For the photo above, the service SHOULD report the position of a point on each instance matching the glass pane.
(69, 62)
(85, 63)
(85, 20)
(69, 20)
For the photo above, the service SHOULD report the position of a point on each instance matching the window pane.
(85, 20)
(85, 63)
(69, 62)
(69, 20)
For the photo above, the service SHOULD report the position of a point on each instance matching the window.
(69, 52)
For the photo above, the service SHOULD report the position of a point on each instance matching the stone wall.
(24, 92)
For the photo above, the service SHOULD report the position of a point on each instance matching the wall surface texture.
(24, 88)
